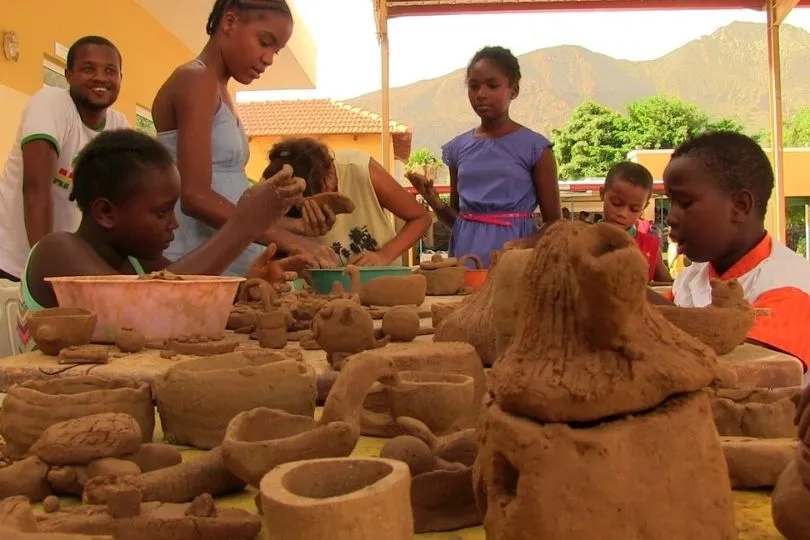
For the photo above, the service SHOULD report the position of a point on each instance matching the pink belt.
(501, 220)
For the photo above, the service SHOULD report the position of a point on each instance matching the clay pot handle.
(471, 257)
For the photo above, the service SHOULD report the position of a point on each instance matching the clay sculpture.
(339, 499)
(126, 517)
(444, 277)
(723, 325)
(507, 289)
(473, 322)
(441, 359)
(440, 310)
(197, 399)
(176, 484)
(757, 463)
(27, 478)
(17, 522)
(56, 328)
(85, 439)
(342, 327)
(755, 412)
(438, 400)
(442, 495)
(257, 441)
(130, 341)
(33, 406)
(589, 350)
(401, 323)
(85, 354)
(202, 346)
(336, 202)
(271, 329)
(388, 290)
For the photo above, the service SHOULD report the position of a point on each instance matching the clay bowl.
(57, 328)
(719, 328)
(33, 406)
(158, 309)
(437, 399)
(197, 399)
(475, 278)
(339, 499)
(259, 440)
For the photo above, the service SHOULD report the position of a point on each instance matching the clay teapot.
(445, 277)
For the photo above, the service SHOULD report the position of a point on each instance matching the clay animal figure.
(724, 324)
(257, 441)
(598, 385)
(342, 328)
(388, 290)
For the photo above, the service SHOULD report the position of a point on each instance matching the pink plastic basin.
(159, 309)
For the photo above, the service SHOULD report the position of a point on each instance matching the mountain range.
(725, 73)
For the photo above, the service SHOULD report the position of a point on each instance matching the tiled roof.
(309, 117)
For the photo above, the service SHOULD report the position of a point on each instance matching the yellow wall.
(796, 174)
(260, 146)
(150, 52)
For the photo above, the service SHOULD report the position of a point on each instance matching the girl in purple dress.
(499, 171)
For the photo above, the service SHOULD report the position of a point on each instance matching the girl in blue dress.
(500, 171)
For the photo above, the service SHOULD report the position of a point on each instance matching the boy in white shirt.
(56, 125)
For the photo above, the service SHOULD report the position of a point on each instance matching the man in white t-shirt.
(56, 124)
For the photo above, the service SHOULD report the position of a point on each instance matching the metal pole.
(382, 37)
(775, 94)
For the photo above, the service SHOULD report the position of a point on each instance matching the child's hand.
(278, 272)
(370, 258)
(262, 205)
(421, 183)
(317, 220)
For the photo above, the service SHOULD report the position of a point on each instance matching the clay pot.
(32, 407)
(339, 499)
(437, 399)
(197, 399)
(720, 328)
(57, 328)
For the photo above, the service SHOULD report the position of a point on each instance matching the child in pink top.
(626, 194)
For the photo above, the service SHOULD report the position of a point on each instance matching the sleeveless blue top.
(230, 152)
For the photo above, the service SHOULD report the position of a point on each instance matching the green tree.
(796, 131)
(424, 161)
(596, 137)
(593, 139)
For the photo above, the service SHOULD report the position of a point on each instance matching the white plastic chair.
(9, 304)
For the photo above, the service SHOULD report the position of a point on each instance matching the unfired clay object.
(82, 440)
(442, 495)
(723, 325)
(17, 522)
(444, 277)
(757, 463)
(257, 441)
(85, 354)
(27, 477)
(176, 484)
(507, 289)
(440, 310)
(342, 327)
(755, 412)
(438, 358)
(56, 328)
(31, 407)
(130, 341)
(129, 519)
(473, 322)
(401, 323)
(202, 346)
(791, 499)
(554, 436)
(271, 329)
(388, 290)
(339, 499)
(197, 399)
(437, 399)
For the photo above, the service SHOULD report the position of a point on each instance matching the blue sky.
(428, 47)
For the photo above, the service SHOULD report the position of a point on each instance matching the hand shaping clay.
(598, 386)
(197, 399)
(32, 407)
(339, 499)
(336, 202)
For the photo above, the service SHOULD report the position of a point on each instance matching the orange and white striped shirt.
(773, 277)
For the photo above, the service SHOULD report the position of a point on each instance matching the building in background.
(336, 124)
(154, 37)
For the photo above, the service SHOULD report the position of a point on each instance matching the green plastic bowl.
(323, 278)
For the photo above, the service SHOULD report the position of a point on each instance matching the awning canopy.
(293, 69)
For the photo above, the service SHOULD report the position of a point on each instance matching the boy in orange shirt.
(719, 185)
